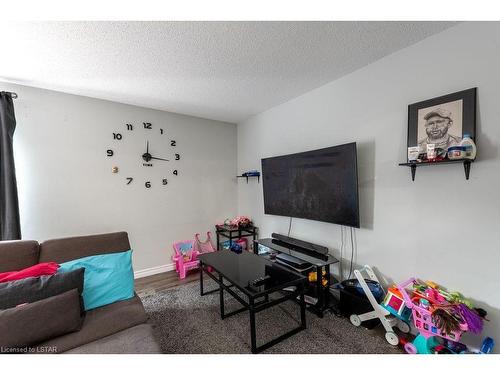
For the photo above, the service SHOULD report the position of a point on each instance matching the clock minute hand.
(152, 157)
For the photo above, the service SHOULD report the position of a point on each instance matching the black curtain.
(10, 228)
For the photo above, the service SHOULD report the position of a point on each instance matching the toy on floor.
(379, 312)
(236, 248)
(237, 245)
(243, 242)
(438, 313)
(452, 347)
(186, 253)
(394, 303)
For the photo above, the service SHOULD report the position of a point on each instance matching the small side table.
(235, 233)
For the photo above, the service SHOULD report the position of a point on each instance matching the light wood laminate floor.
(162, 281)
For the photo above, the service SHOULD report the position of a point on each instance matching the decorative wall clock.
(159, 152)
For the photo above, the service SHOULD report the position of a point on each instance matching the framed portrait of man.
(442, 121)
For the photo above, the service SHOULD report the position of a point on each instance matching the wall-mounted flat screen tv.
(317, 185)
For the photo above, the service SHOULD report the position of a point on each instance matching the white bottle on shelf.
(470, 147)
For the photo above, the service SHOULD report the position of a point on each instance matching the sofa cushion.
(31, 323)
(40, 269)
(136, 340)
(33, 289)
(108, 278)
(102, 322)
(65, 249)
(16, 255)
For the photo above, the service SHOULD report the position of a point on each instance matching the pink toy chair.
(186, 254)
(185, 257)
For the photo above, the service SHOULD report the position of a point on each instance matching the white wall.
(440, 227)
(66, 187)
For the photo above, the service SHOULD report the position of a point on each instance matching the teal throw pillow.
(108, 278)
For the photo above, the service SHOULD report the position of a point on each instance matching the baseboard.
(154, 270)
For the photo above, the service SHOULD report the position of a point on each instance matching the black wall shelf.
(413, 165)
(247, 177)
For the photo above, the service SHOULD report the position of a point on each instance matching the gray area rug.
(185, 322)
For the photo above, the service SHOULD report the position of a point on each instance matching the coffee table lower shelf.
(254, 305)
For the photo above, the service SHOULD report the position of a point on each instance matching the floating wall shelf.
(247, 177)
(466, 162)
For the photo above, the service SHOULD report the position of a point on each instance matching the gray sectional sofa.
(120, 327)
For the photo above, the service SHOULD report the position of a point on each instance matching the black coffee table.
(240, 270)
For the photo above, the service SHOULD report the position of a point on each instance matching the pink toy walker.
(186, 253)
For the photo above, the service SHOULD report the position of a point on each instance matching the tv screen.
(318, 185)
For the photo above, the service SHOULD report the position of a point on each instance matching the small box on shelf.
(252, 173)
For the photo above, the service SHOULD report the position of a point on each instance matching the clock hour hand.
(152, 157)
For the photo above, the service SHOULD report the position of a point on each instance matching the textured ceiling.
(226, 71)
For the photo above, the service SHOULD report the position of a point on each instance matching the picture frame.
(442, 121)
